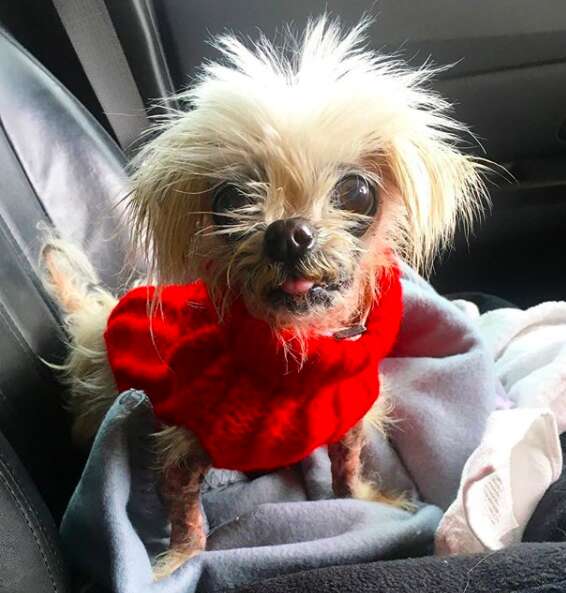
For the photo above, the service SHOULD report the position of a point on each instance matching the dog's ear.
(169, 203)
(439, 186)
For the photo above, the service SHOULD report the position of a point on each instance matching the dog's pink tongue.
(297, 286)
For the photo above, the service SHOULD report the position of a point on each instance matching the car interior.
(64, 151)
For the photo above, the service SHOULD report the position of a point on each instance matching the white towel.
(520, 455)
(529, 348)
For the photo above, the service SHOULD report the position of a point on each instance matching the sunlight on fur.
(72, 281)
(168, 562)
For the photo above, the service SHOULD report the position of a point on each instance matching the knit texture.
(252, 405)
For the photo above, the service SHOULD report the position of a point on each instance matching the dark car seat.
(60, 168)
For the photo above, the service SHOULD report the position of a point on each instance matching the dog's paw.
(372, 493)
(168, 562)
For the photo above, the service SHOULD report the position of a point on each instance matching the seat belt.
(92, 34)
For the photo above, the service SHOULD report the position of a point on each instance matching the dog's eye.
(355, 194)
(227, 199)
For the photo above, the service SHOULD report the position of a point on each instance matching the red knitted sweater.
(230, 383)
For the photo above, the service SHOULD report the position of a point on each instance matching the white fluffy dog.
(348, 145)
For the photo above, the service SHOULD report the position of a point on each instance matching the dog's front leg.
(347, 478)
(346, 463)
(181, 489)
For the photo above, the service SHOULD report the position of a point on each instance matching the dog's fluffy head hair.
(284, 126)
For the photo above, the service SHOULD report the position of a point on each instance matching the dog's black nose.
(288, 240)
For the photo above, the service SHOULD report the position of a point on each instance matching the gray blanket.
(442, 381)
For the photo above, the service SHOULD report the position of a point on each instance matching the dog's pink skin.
(181, 488)
(346, 463)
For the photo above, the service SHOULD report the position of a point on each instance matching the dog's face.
(299, 228)
(293, 182)
(302, 250)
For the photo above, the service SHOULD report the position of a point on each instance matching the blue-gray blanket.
(442, 381)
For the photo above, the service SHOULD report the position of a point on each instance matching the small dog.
(293, 183)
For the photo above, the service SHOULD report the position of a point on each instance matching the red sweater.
(230, 383)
